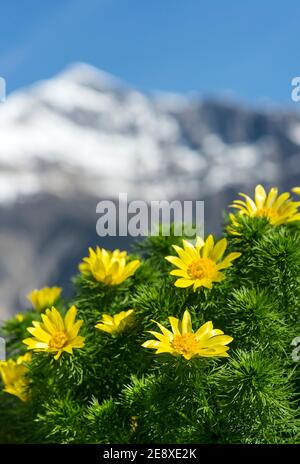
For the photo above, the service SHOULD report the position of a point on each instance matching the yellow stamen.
(201, 268)
(58, 340)
(185, 344)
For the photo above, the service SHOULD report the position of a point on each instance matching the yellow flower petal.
(179, 273)
(74, 329)
(190, 249)
(296, 190)
(199, 243)
(49, 325)
(175, 324)
(151, 344)
(208, 246)
(177, 262)
(272, 195)
(219, 250)
(186, 322)
(70, 317)
(204, 329)
(39, 333)
(104, 328)
(260, 196)
(218, 340)
(165, 331)
(56, 317)
(183, 283)
(35, 344)
(158, 335)
(251, 206)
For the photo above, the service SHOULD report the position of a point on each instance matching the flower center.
(185, 344)
(201, 268)
(58, 340)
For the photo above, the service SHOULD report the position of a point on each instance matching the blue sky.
(246, 49)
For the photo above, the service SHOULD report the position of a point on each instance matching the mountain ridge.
(84, 136)
(83, 118)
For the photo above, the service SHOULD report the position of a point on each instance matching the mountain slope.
(83, 136)
(84, 124)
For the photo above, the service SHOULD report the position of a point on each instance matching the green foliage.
(14, 331)
(115, 391)
(257, 399)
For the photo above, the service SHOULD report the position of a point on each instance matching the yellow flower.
(182, 341)
(200, 265)
(108, 267)
(13, 376)
(276, 209)
(44, 298)
(55, 334)
(115, 324)
(20, 317)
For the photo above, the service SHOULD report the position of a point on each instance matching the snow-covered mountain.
(85, 130)
(82, 136)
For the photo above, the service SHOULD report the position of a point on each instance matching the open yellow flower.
(115, 324)
(200, 265)
(55, 334)
(20, 317)
(109, 267)
(277, 209)
(13, 374)
(44, 298)
(182, 341)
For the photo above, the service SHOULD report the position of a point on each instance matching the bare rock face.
(83, 136)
